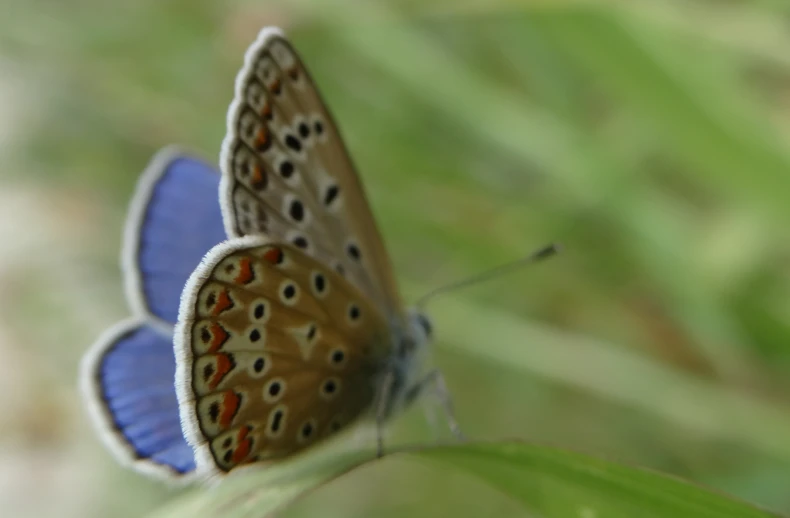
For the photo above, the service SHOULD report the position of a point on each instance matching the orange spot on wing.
(224, 302)
(244, 446)
(230, 405)
(273, 255)
(257, 176)
(275, 86)
(224, 365)
(262, 139)
(218, 337)
(267, 111)
(245, 271)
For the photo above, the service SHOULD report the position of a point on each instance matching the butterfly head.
(419, 341)
(414, 340)
(421, 325)
(407, 363)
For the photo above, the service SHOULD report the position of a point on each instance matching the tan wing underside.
(269, 331)
(284, 148)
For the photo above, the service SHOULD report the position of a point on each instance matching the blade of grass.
(716, 411)
(553, 482)
(684, 105)
(563, 484)
(262, 492)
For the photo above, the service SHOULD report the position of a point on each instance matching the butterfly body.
(290, 330)
(410, 347)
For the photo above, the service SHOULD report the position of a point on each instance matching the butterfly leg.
(381, 410)
(435, 380)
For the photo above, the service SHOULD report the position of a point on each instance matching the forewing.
(174, 219)
(287, 173)
(275, 352)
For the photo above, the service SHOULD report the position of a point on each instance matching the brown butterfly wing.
(288, 175)
(275, 352)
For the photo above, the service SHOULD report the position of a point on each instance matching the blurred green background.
(649, 138)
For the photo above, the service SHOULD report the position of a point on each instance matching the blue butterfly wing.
(128, 376)
(128, 380)
(174, 220)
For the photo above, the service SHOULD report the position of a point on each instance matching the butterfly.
(274, 308)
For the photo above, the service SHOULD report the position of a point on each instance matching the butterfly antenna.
(534, 257)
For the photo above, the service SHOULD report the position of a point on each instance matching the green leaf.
(558, 484)
(261, 492)
(552, 482)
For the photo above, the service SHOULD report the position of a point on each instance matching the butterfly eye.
(426, 324)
